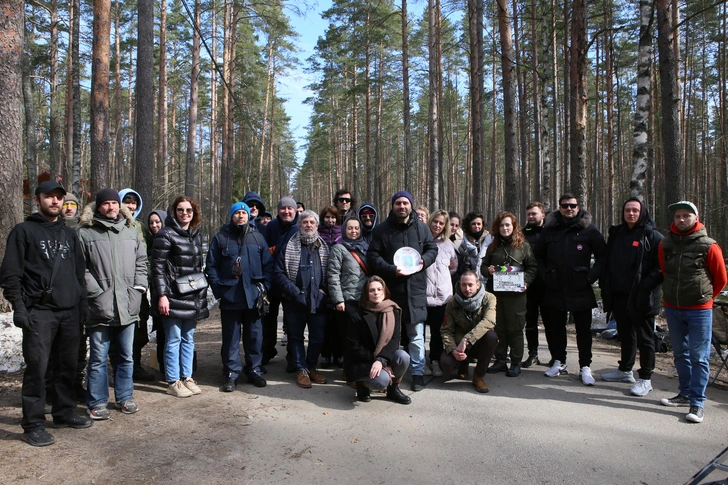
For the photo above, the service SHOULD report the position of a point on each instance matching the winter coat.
(346, 278)
(471, 325)
(330, 234)
(248, 248)
(409, 292)
(439, 274)
(504, 255)
(30, 255)
(116, 267)
(632, 267)
(472, 252)
(535, 289)
(308, 292)
(362, 334)
(178, 252)
(563, 252)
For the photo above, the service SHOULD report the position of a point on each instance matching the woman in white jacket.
(439, 285)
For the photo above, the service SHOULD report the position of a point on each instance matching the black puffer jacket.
(563, 252)
(178, 252)
(626, 248)
(409, 292)
(535, 289)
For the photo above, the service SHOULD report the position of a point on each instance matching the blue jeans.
(179, 349)
(690, 334)
(99, 338)
(416, 335)
(297, 320)
(252, 330)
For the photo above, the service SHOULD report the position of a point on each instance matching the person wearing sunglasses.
(564, 251)
(369, 218)
(70, 211)
(345, 202)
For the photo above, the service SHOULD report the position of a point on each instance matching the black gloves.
(21, 319)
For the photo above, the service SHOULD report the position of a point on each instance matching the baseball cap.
(683, 204)
(49, 186)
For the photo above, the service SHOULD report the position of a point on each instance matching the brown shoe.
(303, 380)
(316, 377)
(480, 384)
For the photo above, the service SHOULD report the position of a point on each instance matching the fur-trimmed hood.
(87, 216)
(582, 218)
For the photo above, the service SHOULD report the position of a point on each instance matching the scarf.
(386, 308)
(308, 240)
(471, 304)
(292, 256)
(360, 245)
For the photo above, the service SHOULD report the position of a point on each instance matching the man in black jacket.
(564, 251)
(630, 284)
(535, 214)
(403, 229)
(42, 275)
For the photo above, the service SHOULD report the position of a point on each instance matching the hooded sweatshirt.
(367, 232)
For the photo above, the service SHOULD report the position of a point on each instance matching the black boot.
(531, 360)
(514, 371)
(395, 394)
(362, 392)
(499, 366)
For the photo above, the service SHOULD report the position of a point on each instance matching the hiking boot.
(436, 370)
(192, 386)
(315, 377)
(394, 393)
(531, 360)
(619, 376)
(99, 413)
(586, 376)
(695, 415)
(72, 421)
(41, 437)
(642, 388)
(303, 380)
(464, 371)
(141, 374)
(363, 393)
(499, 366)
(177, 389)
(427, 371)
(257, 380)
(676, 401)
(229, 385)
(514, 371)
(418, 383)
(127, 407)
(555, 369)
(480, 384)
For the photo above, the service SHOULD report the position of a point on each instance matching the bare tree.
(641, 141)
(100, 177)
(578, 100)
(406, 99)
(475, 28)
(434, 123)
(512, 192)
(190, 179)
(144, 143)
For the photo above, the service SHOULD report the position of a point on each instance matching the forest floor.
(527, 430)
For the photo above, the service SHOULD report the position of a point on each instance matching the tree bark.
(434, 122)
(100, 177)
(162, 154)
(76, 88)
(512, 192)
(475, 26)
(144, 144)
(641, 141)
(578, 101)
(190, 176)
(406, 99)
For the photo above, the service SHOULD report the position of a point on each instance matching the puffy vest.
(687, 280)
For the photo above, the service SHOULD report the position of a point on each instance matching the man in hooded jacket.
(369, 218)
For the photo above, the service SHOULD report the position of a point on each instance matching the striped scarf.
(292, 256)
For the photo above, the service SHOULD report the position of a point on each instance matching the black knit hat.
(104, 195)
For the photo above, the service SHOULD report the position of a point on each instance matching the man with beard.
(42, 275)
(564, 250)
(475, 242)
(694, 271)
(630, 285)
(369, 218)
(277, 233)
(300, 274)
(409, 291)
(345, 202)
(535, 214)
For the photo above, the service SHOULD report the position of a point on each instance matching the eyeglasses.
(344, 200)
(255, 206)
(569, 206)
(69, 204)
(367, 216)
(180, 210)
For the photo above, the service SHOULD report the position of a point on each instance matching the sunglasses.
(255, 206)
(344, 200)
(569, 206)
(69, 204)
(367, 216)
(185, 211)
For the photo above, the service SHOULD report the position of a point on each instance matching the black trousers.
(56, 333)
(270, 328)
(554, 322)
(635, 331)
(435, 317)
(483, 350)
(334, 335)
(532, 308)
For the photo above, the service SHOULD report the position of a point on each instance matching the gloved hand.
(21, 319)
(84, 313)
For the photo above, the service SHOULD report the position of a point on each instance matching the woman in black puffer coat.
(177, 252)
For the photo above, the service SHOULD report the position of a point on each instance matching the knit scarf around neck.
(292, 256)
(386, 308)
(473, 303)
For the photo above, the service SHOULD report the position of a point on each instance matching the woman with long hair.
(509, 252)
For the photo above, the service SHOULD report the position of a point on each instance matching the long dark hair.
(365, 291)
(517, 236)
(196, 218)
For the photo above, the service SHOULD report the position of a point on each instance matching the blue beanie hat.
(239, 206)
(403, 193)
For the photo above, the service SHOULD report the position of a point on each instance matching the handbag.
(191, 283)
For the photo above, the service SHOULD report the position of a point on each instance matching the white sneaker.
(284, 339)
(619, 376)
(436, 371)
(192, 386)
(555, 369)
(586, 376)
(642, 388)
(428, 371)
(178, 389)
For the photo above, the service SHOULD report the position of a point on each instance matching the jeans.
(252, 332)
(100, 337)
(690, 334)
(635, 331)
(416, 347)
(179, 349)
(554, 322)
(399, 364)
(297, 319)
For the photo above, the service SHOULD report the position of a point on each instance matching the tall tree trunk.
(162, 172)
(117, 162)
(31, 142)
(144, 143)
(54, 124)
(545, 78)
(512, 192)
(190, 178)
(475, 26)
(523, 153)
(68, 110)
(667, 34)
(368, 162)
(100, 176)
(76, 88)
(641, 141)
(268, 84)
(406, 98)
(434, 162)
(578, 100)
(11, 123)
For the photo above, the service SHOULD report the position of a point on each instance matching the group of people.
(364, 291)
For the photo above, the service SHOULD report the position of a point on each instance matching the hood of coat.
(254, 197)
(582, 219)
(368, 207)
(87, 216)
(138, 210)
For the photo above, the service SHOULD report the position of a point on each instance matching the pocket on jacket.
(135, 300)
(551, 279)
(102, 306)
(580, 277)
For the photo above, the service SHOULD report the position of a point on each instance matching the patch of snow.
(11, 345)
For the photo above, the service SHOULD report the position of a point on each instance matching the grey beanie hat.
(286, 201)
